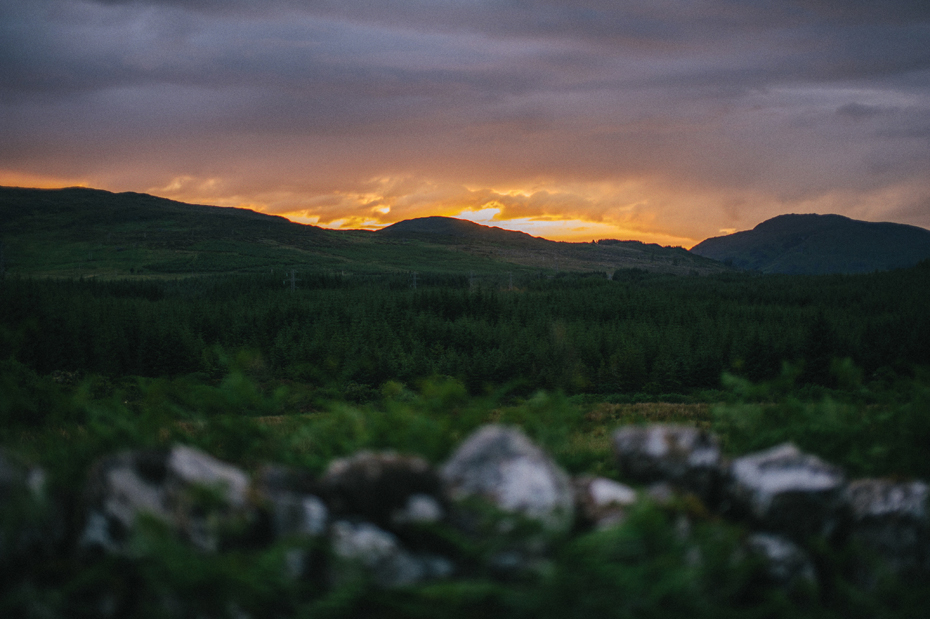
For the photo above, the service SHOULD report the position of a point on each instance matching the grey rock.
(419, 509)
(191, 467)
(502, 466)
(786, 563)
(790, 492)
(290, 498)
(364, 549)
(31, 522)
(386, 488)
(602, 502)
(890, 519)
(18, 481)
(301, 516)
(98, 532)
(684, 456)
(195, 494)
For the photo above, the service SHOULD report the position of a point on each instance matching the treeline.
(583, 334)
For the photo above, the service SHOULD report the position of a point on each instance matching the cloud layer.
(661, 120)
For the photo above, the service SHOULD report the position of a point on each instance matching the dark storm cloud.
(592, 107)
(324, 58)
(65, 46)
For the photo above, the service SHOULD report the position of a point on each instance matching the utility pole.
(293, 280)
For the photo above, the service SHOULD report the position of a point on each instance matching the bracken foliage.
(252, 373)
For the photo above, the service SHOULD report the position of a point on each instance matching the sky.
(665, 121)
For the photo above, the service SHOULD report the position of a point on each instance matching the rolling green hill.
(820, 244)
(79, 232)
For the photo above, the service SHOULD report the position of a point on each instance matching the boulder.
(294, 512)
(292, 502)
(198, 496)
(419, 509)
(785, 563)
(29, 522)
(19, 481)
(361, 549)
(601, 502)
(890, 520)
(386, 488)
(787, 491)
(501, 466)
(684, 456)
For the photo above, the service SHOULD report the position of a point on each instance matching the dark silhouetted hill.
(456, 230)
(84, 214)
(819, 244)
(80, 232)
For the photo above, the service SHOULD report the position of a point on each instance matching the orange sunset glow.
(571, 121)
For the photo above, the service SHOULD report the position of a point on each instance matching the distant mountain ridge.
(819, 244)
(457, 228)
(449, 230)
(82, 232)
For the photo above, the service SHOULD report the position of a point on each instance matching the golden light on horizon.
(376, 209)
(38, 181)
(553, 229)
(638, 210)
(332, 115)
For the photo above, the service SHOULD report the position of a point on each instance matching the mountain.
(450, 228)
(82, 214)
(819, 244)
(80, 232)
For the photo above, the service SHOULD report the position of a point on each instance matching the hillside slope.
(437, 227)
(819, 244)
(80, 232)
(93, 233)
(538, 253)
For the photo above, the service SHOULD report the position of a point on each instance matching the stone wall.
(387, 517)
